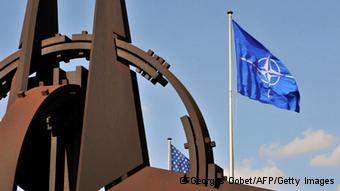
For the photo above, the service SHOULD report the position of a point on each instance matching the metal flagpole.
(169, 153)
(231, 144)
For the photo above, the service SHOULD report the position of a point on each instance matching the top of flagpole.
(230, 12)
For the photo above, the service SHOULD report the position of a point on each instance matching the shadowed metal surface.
(18, 127)
(41, 22)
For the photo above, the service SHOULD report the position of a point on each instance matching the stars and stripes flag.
(179, 162)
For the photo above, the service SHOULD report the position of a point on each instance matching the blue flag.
(179, 162)
(261, 76)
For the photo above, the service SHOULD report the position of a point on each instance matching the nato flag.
(261, 76)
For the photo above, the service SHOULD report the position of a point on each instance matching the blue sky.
(192, 36)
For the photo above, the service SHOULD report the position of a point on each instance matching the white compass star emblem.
(269, 70)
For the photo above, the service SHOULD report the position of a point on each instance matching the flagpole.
(230, 91)
(169, 154)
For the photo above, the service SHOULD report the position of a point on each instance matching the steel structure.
(83, 129)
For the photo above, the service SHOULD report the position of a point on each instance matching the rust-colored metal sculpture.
(82, 130)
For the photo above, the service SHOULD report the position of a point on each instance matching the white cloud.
(246, 170)
(312, 140)
(327, 160)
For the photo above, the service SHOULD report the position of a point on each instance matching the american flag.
(179, 162)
